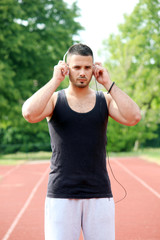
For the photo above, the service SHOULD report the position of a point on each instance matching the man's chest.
(81, 105)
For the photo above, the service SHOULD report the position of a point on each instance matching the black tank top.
(78, 142)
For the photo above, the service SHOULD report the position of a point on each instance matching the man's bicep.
(46, 112)
(53, 102)
(114, 112)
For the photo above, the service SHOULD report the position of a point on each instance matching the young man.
(79, 192)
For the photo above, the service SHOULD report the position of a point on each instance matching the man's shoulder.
(56, 94)
(107, 97)
(53, 101)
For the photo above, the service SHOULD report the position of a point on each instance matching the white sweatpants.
(64, 219)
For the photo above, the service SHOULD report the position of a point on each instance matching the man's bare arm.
(41, 104)
(121, 107)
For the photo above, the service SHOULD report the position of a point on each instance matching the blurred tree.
(34, 35)
(133, 58)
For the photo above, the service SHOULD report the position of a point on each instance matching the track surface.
(23, 191)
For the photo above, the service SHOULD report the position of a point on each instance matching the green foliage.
(133, 58)
(34, 35)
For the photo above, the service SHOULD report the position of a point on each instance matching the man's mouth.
(82, 79)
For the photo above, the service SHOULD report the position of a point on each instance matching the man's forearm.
(127, 107)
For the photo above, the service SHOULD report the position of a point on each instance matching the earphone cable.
(96, 84)
(125, 191)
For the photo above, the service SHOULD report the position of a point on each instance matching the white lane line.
(10, 171)
(38, 161)
(138, 179)
(27, 163)
(16, 220)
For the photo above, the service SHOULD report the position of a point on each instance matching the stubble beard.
(80, 84)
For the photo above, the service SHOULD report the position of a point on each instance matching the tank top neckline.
(80, 113)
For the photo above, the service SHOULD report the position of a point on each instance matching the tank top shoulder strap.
(100, 95)
(61, 94)
(61, 99)
(102, 103)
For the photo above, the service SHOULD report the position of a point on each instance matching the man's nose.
(82, 73)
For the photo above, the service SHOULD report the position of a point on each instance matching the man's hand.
(102, 75)
(60, 71)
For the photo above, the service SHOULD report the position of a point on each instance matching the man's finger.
(98, 63)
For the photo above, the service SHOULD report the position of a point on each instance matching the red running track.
(23, 191)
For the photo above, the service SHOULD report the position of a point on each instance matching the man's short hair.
(80, 49)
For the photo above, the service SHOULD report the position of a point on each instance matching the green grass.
(18, 158)
(149, 154)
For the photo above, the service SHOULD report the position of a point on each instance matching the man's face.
(80, 70)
